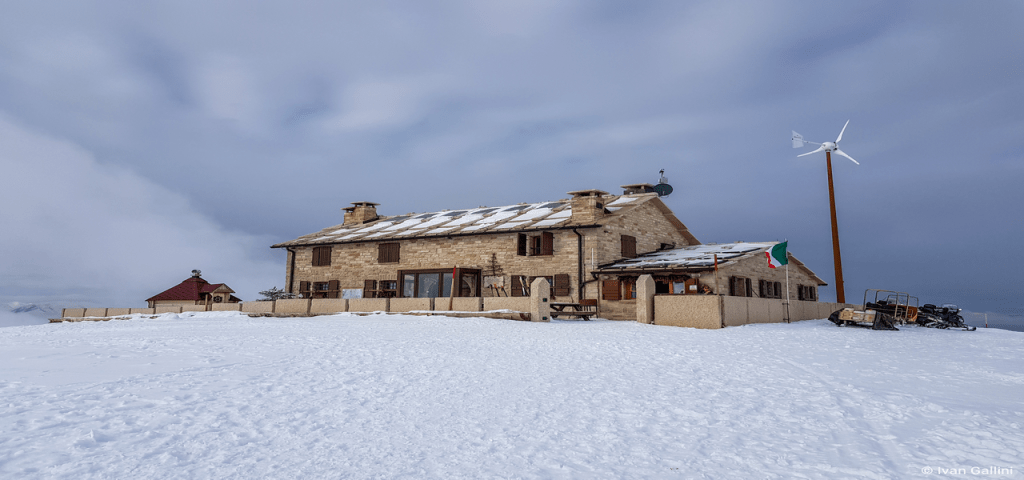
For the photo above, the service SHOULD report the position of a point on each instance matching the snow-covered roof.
(509, 218)
(694, 256)
(701, 257)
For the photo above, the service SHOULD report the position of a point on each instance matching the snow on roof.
(694, 256)
(522, 216)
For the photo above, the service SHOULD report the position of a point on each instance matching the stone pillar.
(645, 299)
(540, 301)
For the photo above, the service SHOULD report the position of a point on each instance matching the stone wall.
(713, 311)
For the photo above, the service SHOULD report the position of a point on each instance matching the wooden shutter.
(610, 290)
(561, 287)
(304, 289)
(777, 289)
(517, 285)
(521, 245)
(749, 291)
(628, 246)
(368, 288)
(813, 291)
(388, 253)
(732, 286)
(761, 290)
(547, 244)
(799, 292)
(321, 256)
(333, 289)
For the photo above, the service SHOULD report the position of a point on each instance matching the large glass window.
(438, 283)
(428, 285)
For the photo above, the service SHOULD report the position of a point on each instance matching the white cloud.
(107, 234)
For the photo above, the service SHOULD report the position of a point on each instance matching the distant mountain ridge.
(44, 309)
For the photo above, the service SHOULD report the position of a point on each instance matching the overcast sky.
(141, 140)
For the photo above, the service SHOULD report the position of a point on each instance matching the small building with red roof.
(194, 291)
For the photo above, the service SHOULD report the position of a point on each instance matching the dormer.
(587, 206)
(360, 212)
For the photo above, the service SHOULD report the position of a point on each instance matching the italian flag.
(777, 255)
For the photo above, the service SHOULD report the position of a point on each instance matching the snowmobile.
(944, 317)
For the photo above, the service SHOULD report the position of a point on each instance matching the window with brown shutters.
(388, 253)
(534, 245)
(740, 287)
(561, 285)
(321, 256)
(610, 290)
(628, 246)
(769, 289)
(304, 289)
(333, 289)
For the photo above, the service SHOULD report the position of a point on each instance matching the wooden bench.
(585, 309)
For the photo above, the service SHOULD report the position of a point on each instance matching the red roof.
(189, 290)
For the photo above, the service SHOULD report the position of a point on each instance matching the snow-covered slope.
(219, 395)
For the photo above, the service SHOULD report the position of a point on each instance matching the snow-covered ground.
(220, 395)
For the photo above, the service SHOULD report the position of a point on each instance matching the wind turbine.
(828, 148)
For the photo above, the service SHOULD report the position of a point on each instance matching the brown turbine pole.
(840, 295)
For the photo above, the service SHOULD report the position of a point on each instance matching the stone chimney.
(587, 206)
(360, 212)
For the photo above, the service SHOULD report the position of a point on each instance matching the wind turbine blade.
(820, 149)
(841, 133)
(840, 152)
(798, 140)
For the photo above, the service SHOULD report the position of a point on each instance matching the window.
(628, 246)
(533, 245)
(388, 252)
(435, 283)
(329, 289)
(628, 288)
(740, 287)
(321, 256)
(807, 292)
(769, 289)
(561, 285)
(610, 290)
(388, 288)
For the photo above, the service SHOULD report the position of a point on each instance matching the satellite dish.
(663, 189)
(196, 273)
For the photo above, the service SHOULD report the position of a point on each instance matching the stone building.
(492, 251)
(194, 291)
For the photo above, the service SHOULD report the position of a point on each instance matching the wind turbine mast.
(837, 257)
(828, 148)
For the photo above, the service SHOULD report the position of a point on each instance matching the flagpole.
(787, 288)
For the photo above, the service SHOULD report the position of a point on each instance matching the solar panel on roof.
(516, 208)
(485, 211)
(551, 205)
(455, 214)
(425, 215)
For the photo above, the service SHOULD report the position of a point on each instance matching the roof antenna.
(663, 189)
(196, 273)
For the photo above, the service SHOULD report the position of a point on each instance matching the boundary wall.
(696, 311)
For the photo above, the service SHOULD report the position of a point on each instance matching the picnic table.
(583, 310)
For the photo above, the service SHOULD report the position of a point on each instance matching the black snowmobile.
(944, 317)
